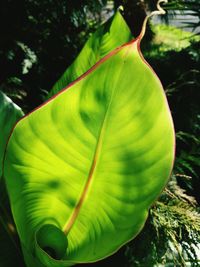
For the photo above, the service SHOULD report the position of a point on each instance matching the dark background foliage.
(39, 39)
(52, 32)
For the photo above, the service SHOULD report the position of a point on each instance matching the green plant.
(109, 36)
(9, 114)
(87, 114)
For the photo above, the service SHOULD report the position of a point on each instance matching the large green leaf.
(9, 114)
(110, 35)
(85, 167)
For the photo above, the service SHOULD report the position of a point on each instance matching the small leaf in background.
(110, 35)
(90, 162)
(9, 250)
(9, 114)
(171, 38)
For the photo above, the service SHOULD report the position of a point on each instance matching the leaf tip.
(120, 8)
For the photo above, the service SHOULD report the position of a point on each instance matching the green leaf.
(109, 36)
(169, 38)
(90, 162)
(9, 114)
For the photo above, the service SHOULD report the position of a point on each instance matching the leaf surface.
(9, 114)
(109, 36)
(89, 163)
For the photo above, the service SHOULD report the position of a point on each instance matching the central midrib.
(67, 227)
(78, 206)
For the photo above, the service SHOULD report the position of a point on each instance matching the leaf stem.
(159, 11)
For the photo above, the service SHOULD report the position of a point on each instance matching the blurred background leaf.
(10, 113)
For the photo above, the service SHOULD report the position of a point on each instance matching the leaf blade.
(118, 123)
(9, 114)
(109, 36)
